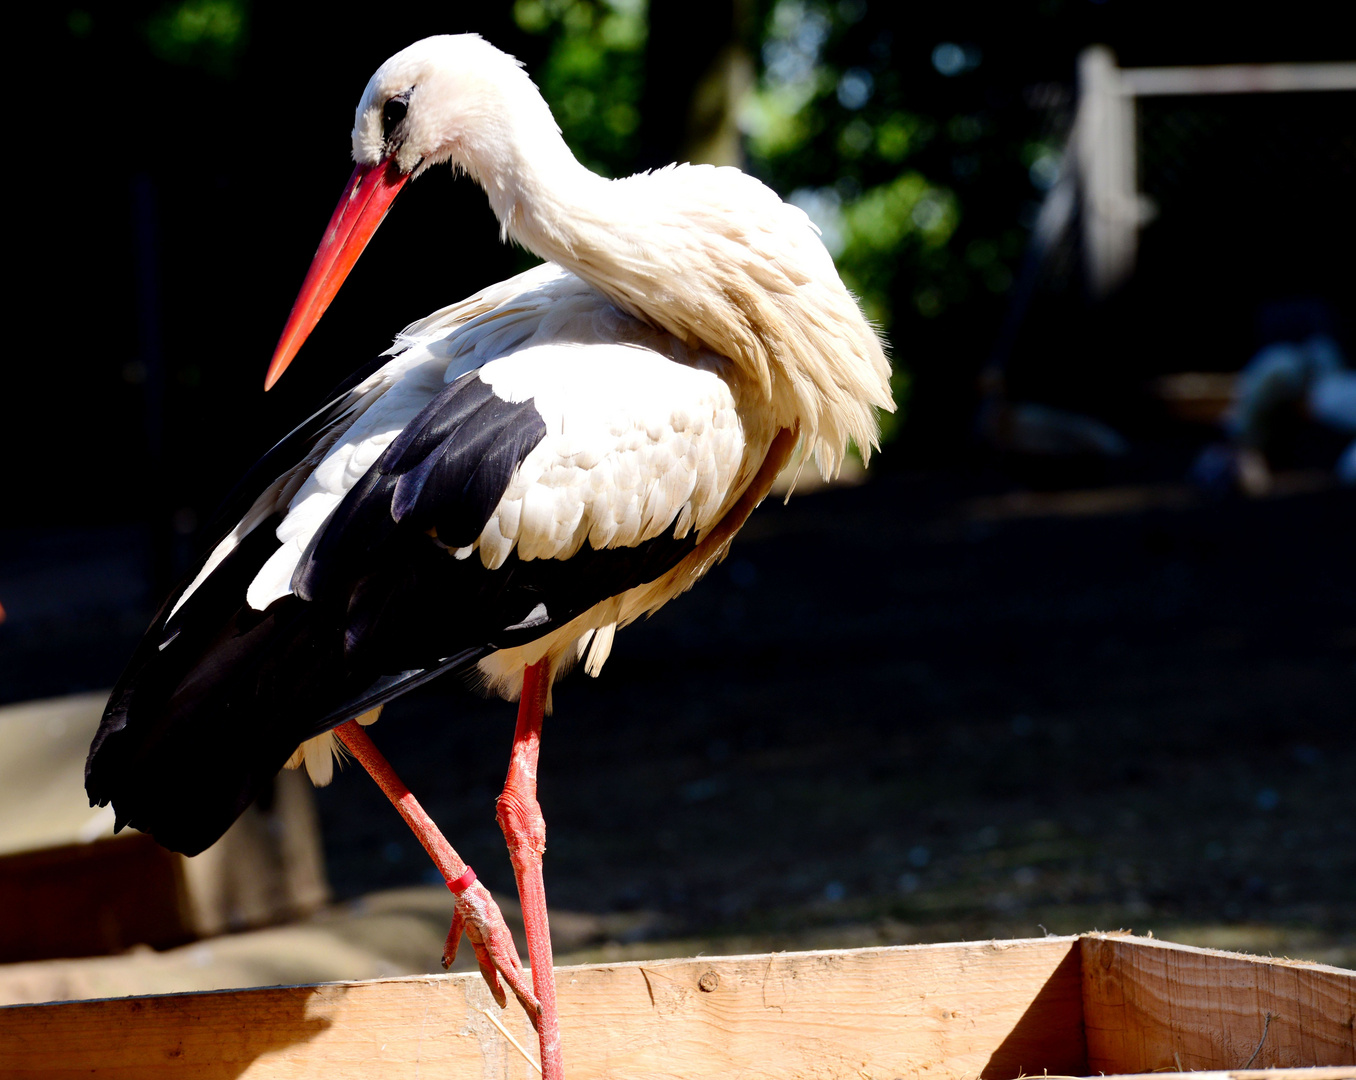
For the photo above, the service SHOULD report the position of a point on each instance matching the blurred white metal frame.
(1099, 172)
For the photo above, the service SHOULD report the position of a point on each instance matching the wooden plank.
(1338, 1072)
(981, 1009)
(1151, 1006)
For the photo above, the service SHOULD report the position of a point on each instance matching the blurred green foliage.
(918, 174)
(898, 161)
(208, 34)
(594, 74)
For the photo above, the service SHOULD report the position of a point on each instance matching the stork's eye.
(392, 115)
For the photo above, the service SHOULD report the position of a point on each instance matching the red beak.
(371, 191)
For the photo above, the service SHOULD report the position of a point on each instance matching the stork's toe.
(479, 918)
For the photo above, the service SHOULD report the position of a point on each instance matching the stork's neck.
(668, 248)
(544, 198)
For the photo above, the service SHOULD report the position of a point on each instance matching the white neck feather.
(710, 255)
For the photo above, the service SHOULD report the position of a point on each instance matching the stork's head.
(447, 98)
(451, 98)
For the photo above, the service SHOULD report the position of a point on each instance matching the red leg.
(476, 912)
(520, 818)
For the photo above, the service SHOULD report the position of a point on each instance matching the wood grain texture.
(983, 1009)
(1337, 1072)
(1151, 1006)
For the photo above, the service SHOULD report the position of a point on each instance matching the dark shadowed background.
(985, 691)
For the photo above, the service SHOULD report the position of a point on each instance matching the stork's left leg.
(520, 817)
(476, 913)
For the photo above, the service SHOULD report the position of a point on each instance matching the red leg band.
(462, 883)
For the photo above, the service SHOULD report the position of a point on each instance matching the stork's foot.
(479, 918)
(477, 915)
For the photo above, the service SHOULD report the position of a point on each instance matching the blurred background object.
(1056, 672)
(1295, 397)
(68, 887)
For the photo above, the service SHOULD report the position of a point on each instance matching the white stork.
(518, 476)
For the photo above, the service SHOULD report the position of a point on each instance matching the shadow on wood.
(180, 1035)
(1048, 1037)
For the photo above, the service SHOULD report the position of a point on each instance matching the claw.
(491, 978)
(453, 938)
(483, 958)
(479, 918)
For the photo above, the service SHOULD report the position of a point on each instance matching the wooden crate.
(69, 887)
(1070, 1006)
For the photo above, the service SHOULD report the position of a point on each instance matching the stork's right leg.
(520, 817)
(476, 914)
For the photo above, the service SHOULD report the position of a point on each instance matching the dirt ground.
(912, 712)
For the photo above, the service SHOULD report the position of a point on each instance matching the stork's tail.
(219, 695)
